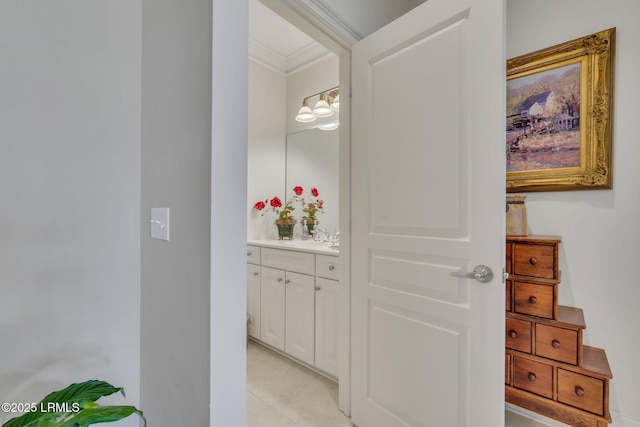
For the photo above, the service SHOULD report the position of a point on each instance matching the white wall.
(274, 101)
(176, 173)
(70, 173)
(267, 143)
(599, 228)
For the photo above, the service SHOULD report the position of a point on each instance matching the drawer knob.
(248, 253)
(555, 344)
(533, 300)
(255, 273)
(533, 260)
(287, 281)
(579, 391)
(279, 279)
(318, 288)
(513, 334)
(332, 267)
(531, 376)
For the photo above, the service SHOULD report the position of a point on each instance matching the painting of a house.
(543, 120)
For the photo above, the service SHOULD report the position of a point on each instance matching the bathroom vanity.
(293, 294)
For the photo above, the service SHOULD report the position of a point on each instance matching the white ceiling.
(277, 44)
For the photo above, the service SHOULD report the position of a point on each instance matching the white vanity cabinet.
(299, 316)
(253, 291)
(326, 323)
(297, 304)
(272, 300)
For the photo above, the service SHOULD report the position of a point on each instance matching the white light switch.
(160, 223)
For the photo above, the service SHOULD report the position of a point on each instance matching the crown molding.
(319, 21)
(289, 64)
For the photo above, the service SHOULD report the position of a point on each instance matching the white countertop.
(298, 245)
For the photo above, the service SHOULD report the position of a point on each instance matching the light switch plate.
(160, 223)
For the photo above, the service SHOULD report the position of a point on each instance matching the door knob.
(481, 273)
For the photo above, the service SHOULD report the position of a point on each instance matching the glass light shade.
(322, 108)
(335, 105)
(305, 114)
(329, 126)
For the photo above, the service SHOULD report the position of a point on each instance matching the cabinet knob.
(255, 273)
(555, 344)
(531, 376)
(318, 288)
(513, 334)
(579, 391)
(533, 260)
(332, 267)
(533, 300)
(248, 253)
(287, 281)
(279, 279)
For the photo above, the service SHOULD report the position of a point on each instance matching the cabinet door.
(327, 300)
(272, 300)
(300, 317)
(253, 300)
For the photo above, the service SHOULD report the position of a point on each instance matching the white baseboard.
(620, 420)
(533, 416)
(617, 419)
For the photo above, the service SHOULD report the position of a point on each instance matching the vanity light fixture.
(329, 101)
(329, 126)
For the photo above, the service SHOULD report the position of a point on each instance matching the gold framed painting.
(559, 116)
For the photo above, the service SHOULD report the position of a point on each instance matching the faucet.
(325, 235)
(335, 239)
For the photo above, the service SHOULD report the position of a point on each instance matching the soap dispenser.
(305, 230)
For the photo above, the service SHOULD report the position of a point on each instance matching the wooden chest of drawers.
(547, 368)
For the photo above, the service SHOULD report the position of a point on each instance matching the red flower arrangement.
(312, 205)
(284, 212)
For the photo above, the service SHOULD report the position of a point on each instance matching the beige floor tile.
(257, 353)
(276, 376)
(315, 404)
(259, 414)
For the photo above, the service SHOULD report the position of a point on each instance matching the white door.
(428, 184)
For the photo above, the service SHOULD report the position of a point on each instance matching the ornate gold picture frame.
(559, 116)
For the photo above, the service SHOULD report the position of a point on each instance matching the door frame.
(317, 21)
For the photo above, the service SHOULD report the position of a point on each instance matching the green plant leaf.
(49, 419)
(101, 414)
(81, 393)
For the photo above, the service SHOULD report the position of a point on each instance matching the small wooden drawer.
(253, 254)
(535, 260)
(532, 376)
(508, 304)
(558, 343)
(518, 335)
(534, 299)
(327, 266)
(507, 369)
(581, 391)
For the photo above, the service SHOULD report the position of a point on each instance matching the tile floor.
(282, 393)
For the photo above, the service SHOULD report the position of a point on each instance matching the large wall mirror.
(313, 161)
